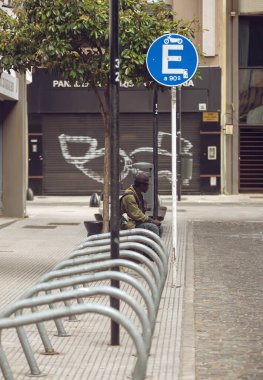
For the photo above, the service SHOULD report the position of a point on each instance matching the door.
(35, 162)
(191, 144)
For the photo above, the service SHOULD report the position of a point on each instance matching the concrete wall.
(15, 155)
(209, 15)
(251, 6)
(212, 39)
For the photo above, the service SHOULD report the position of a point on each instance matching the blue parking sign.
(172, 60)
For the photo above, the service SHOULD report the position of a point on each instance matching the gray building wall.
(15, 154)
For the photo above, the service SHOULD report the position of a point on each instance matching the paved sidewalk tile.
(165, 353)
(31, 247)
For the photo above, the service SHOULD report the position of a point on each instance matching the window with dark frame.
(251, 70)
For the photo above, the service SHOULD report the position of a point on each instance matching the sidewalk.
(31, 247)
(189, 340)
(51, 201)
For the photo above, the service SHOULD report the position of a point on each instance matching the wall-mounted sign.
(211, 117)
(211, 153)
(8, 87)
(213, 181)
(229, 129)
(202, 106)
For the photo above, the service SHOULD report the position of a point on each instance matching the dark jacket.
(133, 205)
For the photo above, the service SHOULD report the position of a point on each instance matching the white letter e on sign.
(168, 58)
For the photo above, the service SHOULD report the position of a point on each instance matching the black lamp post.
(114, 154)
(155, 153)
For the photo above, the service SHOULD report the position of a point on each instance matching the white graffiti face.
(91, 153)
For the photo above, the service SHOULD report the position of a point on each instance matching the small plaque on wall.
(202, 106)
(213, 181)
(229, 129)
(210, 117)
(211, 153)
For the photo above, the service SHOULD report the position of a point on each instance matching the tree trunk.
(104, 109)
(106, 173)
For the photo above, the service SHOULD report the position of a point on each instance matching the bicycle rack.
(89, 263)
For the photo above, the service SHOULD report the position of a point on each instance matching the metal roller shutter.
(136, 139)
(73, 151)
(70, 144)
(251, 159)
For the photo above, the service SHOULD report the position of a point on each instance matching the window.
(251, 70)
(250, 41)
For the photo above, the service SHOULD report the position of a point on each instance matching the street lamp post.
(114, 154)
(155, 153)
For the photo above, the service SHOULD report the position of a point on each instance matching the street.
(224, 319)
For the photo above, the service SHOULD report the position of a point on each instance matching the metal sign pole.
(155, 153)
(174, 181)
(179, 144)
(114, 131)
(172, 60)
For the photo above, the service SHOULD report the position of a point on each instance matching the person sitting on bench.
(133, 208)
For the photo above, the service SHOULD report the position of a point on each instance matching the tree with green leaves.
(71, 38)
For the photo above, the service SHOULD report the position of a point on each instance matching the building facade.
(243, 101)
(222, 122)
(221, 115)
(13, 141)
(66, 136)
(231, 39)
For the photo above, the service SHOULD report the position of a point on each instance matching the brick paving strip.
(228, 300)
(86, 353)
(164, 360)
